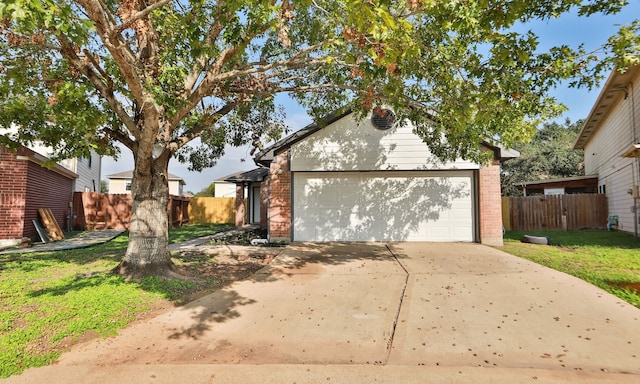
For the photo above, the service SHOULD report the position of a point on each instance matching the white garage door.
(383, 206)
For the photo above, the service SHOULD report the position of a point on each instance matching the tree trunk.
(148, 249)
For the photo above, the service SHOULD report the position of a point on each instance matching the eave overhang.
(615, 89)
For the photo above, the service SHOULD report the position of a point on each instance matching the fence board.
(557, 212)
(212, 210)
(178, 210)
(506, 218)
(94, 210)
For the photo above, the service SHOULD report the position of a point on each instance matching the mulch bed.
(223, 261)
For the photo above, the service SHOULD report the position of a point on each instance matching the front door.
(255, 204)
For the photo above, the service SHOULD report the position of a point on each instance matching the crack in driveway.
(402, 295)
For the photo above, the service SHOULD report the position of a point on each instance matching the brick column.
(490, 204)
(280, 199)
(13, 196)
(240, 207)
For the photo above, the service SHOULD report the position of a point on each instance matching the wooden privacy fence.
(212, 210)
(555, 212)
(94, 210)
(178, 210)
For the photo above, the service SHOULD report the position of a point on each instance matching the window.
(128, 185)
(554, 191)
(602, 189)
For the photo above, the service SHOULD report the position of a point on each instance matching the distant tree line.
(209, 191)
(549, 155)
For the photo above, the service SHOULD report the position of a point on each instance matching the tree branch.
(209, 82)
(196, 131)
(86, 67)
(116, 30)
(121, 137)
(123, 57)
(306, 89)
(212, 35)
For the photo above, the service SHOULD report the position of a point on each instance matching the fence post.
(506, 217)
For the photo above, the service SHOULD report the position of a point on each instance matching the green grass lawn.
(49, 300)
(192, 231)
(609, 260)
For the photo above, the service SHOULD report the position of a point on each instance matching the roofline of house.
(255, 175)
(551, 181)
(41, 160)
(633, 151)
(265, 156)
(223, 179)
(129, 175)
(614, 88)
(262, 158)
(500, 152)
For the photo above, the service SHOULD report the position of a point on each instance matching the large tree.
(154, 75)
(548, 155)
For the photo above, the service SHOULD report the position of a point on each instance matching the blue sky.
(593, 33)
(568, 29)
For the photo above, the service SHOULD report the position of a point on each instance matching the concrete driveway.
(362, 313)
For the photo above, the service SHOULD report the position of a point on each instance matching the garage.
(375, 179)
(384, 206)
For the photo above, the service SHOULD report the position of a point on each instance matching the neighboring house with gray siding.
(27, 185)
(88, 170)
(610, 139)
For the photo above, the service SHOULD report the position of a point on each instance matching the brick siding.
(46, 189)
(13, 190)
(24, 188)
(490, 204)
(280, 198)
(240, 206)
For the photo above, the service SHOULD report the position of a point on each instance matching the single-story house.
(26, 185)
(375, 180)
(223, 188)
(610, 138)
(121, 183)
(560, 186)
(250, 187)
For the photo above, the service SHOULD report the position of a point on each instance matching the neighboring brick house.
(369, 180)
(87, 169)
(27, 185)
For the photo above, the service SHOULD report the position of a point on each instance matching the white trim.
(40, 160)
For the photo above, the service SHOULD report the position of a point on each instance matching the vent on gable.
(382, 118)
